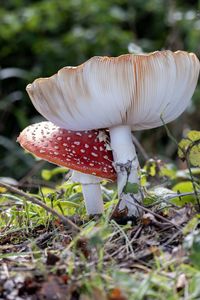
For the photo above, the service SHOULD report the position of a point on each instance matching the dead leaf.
(54, 289)
(155, 250)
(116, 294)
(147, 219)
(82, 245)
(178, 217)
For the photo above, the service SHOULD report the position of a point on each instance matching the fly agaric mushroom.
(125, 93)
(85, 152)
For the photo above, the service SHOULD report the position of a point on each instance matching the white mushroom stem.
(91, 192)
(127, 167)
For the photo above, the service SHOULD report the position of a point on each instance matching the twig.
(175, 235)
(137, 233)
(124, 235)
(154, 214)
(32, 199)
(140, 148)
(169, 134)
(170, 197)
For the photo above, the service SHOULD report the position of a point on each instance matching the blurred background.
(38, 37)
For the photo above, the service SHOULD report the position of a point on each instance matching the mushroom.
(125, 93)
(85, 152)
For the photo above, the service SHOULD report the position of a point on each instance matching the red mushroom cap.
(83, 151)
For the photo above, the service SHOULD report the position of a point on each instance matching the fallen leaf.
(147, 219)
(178, 217)
(116, 294)
(54, 289)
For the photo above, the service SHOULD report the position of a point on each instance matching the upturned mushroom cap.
(81, 151)
(134, 90)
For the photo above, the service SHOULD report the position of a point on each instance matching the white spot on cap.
(94, 154)
(82, 151)
(95, 148)
(78, 133)
(101, 148)
(92, 165)
(90, 135)
(64, 144)
(55, 153)
(59, 138)
(86, 146)
(77, 143)
(68, 138)
(105, 157)
(56, 147)
(42, 151)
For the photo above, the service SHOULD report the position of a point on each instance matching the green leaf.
(48, 174)
(151, 167)
(191, 144)
(183, 187)
(168, 170)
(191, 225)
(131, 188)
(183, 146)
(193, 135)
(194, 155)
(46, 190)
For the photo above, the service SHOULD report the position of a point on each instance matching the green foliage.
(48, 174)
(66, 198)
(191, 225)
(184, 187)
(189, 148)
(131, 188)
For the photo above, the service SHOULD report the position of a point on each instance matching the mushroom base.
(127, 168)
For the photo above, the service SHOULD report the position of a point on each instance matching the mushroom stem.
(127, 168)
(91, 192)
(93, 198)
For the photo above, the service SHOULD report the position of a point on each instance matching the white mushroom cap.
(134, 90)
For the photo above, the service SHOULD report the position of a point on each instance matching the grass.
(43, 256)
